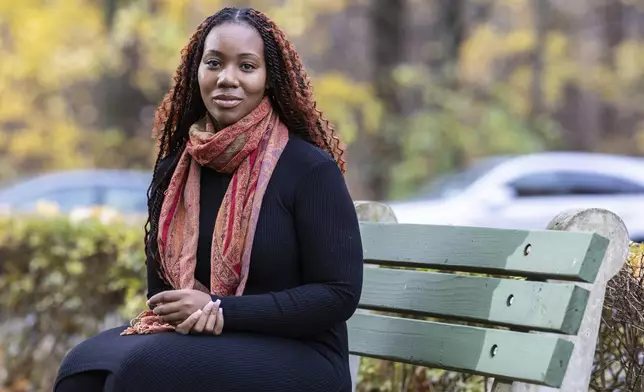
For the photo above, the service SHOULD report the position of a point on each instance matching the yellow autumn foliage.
(56, 53)
(636, 261)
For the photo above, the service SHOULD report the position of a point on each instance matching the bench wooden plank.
(532, 253)
(534, 358)
(497, 301)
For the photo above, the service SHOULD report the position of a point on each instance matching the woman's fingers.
(212, 318)
(185, 327)
(201, 323)
(167, 308)
(209, 320)
(219, 325)
(165, 297)
(174, 318)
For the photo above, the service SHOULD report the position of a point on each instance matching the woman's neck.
(214, 122)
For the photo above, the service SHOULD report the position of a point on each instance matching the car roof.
(76, 178)
(569, 156)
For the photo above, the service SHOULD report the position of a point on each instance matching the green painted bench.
(535, 296)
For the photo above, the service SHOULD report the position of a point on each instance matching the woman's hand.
(211, 320)
(176, 306)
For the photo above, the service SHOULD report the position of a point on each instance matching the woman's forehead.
(234, 39)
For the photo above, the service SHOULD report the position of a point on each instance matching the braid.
(293, 93)
(290, 92)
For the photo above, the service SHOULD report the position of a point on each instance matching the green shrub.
(619, 357)
(60, 282)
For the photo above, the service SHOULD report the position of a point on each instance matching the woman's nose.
(227, 78)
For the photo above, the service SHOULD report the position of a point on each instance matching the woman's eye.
(247, 67)
(212, 63)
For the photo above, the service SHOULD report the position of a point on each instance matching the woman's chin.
(223, 121)
(226, 117)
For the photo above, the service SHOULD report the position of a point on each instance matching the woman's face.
(232, 72)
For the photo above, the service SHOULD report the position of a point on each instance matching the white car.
(528, 191)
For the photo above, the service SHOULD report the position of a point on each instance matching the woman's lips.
(227, 103)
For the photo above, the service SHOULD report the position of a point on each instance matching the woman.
(254, 251)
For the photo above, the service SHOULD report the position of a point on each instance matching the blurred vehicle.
(122, 190)
(527, 191)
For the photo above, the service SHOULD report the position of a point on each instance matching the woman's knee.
(91, 381)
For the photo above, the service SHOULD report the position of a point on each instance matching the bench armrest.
(611, 226)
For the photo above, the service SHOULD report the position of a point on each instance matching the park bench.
(534, 296)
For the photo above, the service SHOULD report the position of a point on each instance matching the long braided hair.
(290, 93)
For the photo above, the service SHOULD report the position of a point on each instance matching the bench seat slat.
(533, 358)
(489, 300)
(540, 254)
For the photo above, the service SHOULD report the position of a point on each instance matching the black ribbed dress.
(288, 331)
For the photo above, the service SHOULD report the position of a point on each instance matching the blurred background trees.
(415, 87)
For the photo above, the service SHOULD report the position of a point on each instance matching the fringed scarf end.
(147, 322)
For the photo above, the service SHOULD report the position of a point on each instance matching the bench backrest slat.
(507, 302)
(531, 253)
(538, 359)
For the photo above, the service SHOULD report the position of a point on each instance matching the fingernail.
(218, 302)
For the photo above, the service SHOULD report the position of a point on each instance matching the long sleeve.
(332, 261)
(155, 283)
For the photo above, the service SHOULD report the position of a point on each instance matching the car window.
(65, 199)
(568, 183)
(126, 200)
(538, 184)
(454, 183)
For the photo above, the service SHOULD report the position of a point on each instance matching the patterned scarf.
(250, 149)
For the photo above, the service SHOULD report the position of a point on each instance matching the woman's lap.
(230, 362)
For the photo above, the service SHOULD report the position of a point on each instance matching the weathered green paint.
(533, 358)
(556, 307)
(534, 253)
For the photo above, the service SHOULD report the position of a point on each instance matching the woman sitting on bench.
(254, 251)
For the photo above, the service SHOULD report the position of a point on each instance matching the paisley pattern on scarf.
(249, 149)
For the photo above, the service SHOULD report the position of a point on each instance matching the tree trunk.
(379, 151)
(613, 23)
(580, 113)
(540, 9)
(451, 16)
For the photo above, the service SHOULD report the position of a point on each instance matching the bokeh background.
(416, 89)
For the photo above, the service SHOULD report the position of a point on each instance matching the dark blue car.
(122, 190)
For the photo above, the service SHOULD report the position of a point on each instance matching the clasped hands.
(190, 311)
